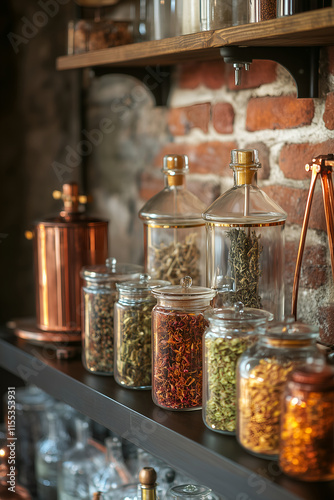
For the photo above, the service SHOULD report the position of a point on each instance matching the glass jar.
(290, 7)
(132, 363)
(262, 372)
(215, 15)
(245, 241)
(189, 491)
(174, 231)
(98, 297)
(307, 424)
(262, 10)
(178, 325)
(230, 332)
(163, 18)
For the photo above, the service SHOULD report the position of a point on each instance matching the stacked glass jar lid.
(230, 332)
(132, 324)
(178, 325)
(261, 377)
(174, 231)
(245, 241)
(99, 294)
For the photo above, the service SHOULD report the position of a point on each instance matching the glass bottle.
(178, 325)
(133, 318)
(262, 372)
(230, 332)
(245, 241)
(49, 452)
(262, 10)
(99, 295)
(147, 480)
(31, 406)
(174, 231)
(115, 473)
(79, 463)
(307, 424)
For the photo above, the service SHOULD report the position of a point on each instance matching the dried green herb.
(133, 359)
(244, 259)
(99, 332)
(176, 260)
(222, 355)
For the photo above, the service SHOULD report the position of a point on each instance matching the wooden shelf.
(180, 438)
(309, 28)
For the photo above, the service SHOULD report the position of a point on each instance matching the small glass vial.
(178, 324)
(261, 375)
(132, 323)
(174, 231)
(307, 424)
(98, 297)
(230, 332)
(262, 10)
(245, 241)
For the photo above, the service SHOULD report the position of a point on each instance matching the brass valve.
(71, 198)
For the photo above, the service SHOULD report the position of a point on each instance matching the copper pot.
(62, 246)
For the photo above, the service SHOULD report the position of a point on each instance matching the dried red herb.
(177, 358)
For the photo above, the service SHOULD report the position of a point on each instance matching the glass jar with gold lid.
(245, 241)
(262, 373)
(174, 231)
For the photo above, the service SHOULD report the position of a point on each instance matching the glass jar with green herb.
(245, 241)
(98, 297)
(132, 319)
(230, 332)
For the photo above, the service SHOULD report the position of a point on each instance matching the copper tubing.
(322, 165)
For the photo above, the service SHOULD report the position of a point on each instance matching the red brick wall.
(208, 116)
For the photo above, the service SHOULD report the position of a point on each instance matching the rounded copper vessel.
(62, 246)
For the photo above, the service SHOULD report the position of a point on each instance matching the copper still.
(62, 246)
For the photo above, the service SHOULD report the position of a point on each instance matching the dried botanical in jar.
(307, 430)
(262, 374)
(178, 325)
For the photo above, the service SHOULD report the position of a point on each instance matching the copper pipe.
(322, 165)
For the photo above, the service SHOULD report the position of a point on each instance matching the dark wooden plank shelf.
(308, 28)
(180, 438)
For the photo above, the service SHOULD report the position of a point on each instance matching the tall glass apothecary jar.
(132, 325)
(307, 428)
(99, 295)
(174, 231)
(231, 331)
(178, 325)
(262, 373)
(245, 241)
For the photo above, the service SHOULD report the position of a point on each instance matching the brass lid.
(147, 477)
(175, 167)
(245, 163)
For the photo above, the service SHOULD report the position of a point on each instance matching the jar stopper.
(186, 282)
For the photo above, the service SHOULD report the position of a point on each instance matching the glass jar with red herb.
(307, 424)
(178, 324)
(132, 332)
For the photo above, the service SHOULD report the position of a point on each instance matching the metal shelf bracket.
(301, 62)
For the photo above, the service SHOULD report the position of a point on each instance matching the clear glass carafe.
(99, 295)
(114, 474)
(307, 424)
(262, 373)
(133, 319)
(178, 324)
(174, 231)
(231, 331)
(245, 241)
(49, 452)
(79, 463)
